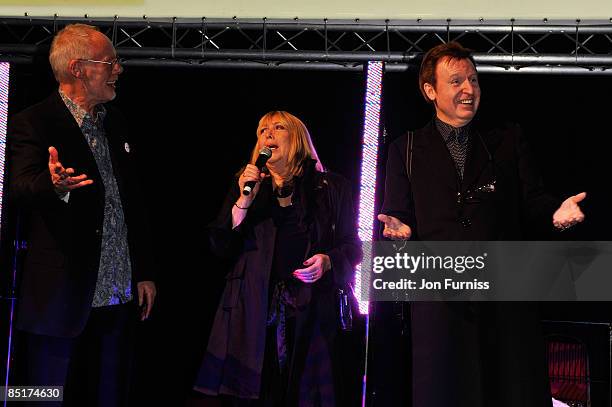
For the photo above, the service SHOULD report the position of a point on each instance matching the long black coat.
(471, 354)
(233, 362)
(64, 239)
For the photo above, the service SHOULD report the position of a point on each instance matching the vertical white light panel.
(369, 158)
(4, 90)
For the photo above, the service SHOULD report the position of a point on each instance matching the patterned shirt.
(113, 285)
(457, 140)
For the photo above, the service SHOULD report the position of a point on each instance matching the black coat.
(471, 354)
(64, 239)
(428, 203)
(234, 358)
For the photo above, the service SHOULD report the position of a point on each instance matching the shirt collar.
(80, 114)
(446, 130)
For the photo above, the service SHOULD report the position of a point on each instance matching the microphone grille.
(266, 151)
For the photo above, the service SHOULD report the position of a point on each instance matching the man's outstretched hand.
(569, 213)
(394, 228)
(64, 179)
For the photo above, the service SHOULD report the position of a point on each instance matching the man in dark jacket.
(468, 181)
(88, 258)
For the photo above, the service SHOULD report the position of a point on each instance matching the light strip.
(4, 91)
(369, 159)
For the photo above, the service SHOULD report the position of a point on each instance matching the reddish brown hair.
(452, 50)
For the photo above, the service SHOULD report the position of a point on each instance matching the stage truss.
(561, 47)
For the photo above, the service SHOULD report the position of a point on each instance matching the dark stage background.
(194, 128)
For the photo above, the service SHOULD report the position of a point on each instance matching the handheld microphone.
(264, 155)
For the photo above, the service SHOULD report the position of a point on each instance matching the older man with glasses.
(87, 273)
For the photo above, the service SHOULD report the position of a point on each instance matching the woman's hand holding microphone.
(239, 211)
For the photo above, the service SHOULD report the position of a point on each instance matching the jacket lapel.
(437, 157)
(476, 161)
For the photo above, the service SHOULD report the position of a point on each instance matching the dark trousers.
(94, 367)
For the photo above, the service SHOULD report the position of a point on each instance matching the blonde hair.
(72, 42)
(301, 147)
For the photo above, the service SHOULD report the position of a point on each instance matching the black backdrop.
(194, 129)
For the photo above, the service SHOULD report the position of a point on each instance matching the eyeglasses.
(115, 61)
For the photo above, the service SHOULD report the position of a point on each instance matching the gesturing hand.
(316, 266)
(64, 179)
(394, 228)
(569, 212)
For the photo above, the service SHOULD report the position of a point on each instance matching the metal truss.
(563, 47)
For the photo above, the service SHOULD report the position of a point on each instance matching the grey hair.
(72, 42)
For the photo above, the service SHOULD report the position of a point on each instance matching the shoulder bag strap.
(409, 142)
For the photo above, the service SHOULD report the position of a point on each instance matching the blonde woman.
(293, 243)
